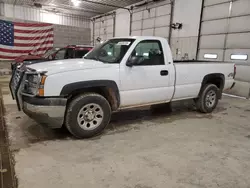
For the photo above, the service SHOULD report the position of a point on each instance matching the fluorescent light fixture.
(110, 53)
(145, 54)
(239, 57)
(210, 56)
(76, 3)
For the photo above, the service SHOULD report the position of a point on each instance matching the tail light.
(234, 71)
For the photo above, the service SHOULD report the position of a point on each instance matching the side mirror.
(133, 61)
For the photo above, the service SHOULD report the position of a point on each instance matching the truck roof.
(141, 37)
(79, 46)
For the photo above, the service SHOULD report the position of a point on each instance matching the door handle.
(164, 72)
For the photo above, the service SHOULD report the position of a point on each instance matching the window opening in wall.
(210, 56)
(239, 57)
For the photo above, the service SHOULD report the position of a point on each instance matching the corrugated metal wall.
(225, 30)
(39, 15)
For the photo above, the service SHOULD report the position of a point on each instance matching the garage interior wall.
(225, 30)
(68, 29)
(154, 19)
(150, 19)
(104, 27)
(184, 41)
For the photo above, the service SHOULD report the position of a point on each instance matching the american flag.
(18, 39)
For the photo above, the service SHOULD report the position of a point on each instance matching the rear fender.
(216, 78)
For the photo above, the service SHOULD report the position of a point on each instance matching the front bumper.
(46, 111)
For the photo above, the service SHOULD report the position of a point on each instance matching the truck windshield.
(111, 51)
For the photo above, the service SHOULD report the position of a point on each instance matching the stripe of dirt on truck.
(7, 175)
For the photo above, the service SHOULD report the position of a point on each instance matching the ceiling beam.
(74, 8)
(104, 4)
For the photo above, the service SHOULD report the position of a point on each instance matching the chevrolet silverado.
(121, 73)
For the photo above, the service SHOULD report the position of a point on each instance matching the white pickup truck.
(120, 73)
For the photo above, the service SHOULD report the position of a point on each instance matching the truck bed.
(199, 61)
(190, 74)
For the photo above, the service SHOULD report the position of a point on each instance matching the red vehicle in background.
(68, 52)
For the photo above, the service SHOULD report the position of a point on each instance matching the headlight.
(33, 78)
(34, 84)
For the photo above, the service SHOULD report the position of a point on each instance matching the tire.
(87, 115)
(208, 98)
(161, 108)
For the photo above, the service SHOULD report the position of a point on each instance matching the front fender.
(72, 87)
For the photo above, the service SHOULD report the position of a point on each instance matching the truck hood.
(65, 65)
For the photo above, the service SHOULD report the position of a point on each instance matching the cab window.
(81, 53)
(149, 52)
(69, 54)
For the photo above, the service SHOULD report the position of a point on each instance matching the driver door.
(146, 81)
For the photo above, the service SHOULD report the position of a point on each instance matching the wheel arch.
(106, 88)
(217, 79)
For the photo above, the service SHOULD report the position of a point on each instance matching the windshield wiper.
(97, 59)
(92, 58)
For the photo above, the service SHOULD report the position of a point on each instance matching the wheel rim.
(211, 99)
(90, 116)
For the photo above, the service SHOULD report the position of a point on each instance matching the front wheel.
(208, 98)
(87, 115)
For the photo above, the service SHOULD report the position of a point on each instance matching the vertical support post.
(227, 30)
(93, 31)
(114, 23)
(171, 21)
(130, 21)
(248, 93)
(199, 33)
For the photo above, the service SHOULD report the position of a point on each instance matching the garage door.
(151, 20)
(225, 30)
(104, 27)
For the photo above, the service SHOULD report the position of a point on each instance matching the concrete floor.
(182, 149)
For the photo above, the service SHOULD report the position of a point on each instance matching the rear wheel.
(87, 115)
(208, 98)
